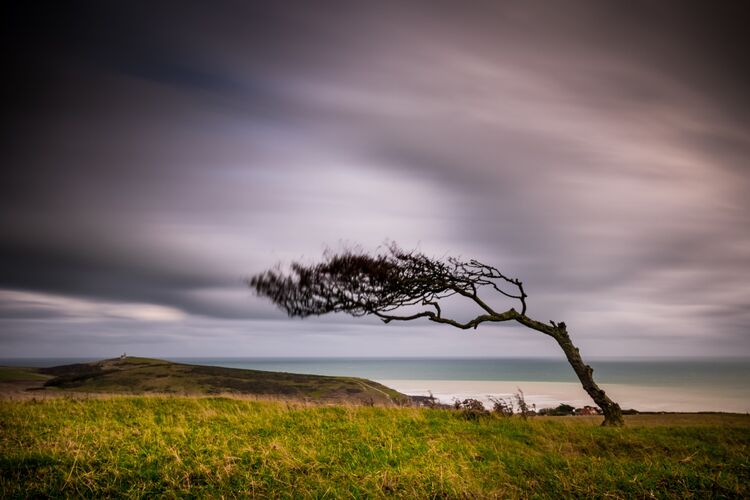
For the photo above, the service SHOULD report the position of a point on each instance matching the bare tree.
(501, 406)
(523, 407)
(398, 285)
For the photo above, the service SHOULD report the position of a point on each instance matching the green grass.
(18, 374)
(183, 446)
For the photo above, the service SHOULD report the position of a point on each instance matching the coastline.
(550, 394)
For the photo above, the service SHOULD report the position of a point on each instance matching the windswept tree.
(398, 285)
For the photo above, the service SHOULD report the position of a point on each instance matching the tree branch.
(387, 318)
(475, 298)
(359, 284)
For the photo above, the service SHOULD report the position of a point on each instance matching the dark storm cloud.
(100, 273)
(155, 154)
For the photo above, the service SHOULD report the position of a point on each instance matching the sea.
(686, 385)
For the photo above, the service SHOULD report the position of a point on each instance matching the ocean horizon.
(646, 384)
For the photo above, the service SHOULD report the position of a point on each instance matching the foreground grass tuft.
(150, 446)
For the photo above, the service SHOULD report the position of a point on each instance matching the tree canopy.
(392, 283)
(361, 284)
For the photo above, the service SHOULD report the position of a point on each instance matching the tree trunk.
(610, 409)
(558, 331)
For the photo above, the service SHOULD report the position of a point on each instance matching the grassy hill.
(123, 444)
(20, 374)
(135, 446)
(133, 375)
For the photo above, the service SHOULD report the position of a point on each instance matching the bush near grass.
(187, 446)
(560, 411)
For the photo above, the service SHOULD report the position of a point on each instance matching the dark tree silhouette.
(397, 285)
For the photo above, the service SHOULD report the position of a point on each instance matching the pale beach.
(550, 394)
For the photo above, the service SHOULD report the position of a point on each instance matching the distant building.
(588, 410)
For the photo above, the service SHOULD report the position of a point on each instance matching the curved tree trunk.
(610, 409)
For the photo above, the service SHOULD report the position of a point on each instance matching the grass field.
(128, 446)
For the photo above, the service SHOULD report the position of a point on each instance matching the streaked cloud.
(599, 152)
(18, 305)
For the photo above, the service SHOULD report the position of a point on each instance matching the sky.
(156, 154)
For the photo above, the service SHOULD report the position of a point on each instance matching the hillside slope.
(144, 375)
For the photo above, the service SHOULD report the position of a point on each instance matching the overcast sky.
(155, 154)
